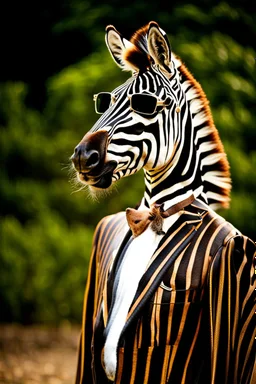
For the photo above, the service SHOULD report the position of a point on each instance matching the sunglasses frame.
(159, 103)
(95, 97)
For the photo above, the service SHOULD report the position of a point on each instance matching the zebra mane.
(214, 165)
(137, 56)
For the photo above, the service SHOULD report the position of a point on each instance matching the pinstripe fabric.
(200, 331)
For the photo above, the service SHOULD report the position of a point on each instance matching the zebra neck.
(163, 192)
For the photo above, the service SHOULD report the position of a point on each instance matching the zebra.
(169, 290)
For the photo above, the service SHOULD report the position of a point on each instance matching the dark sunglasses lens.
(143, 104)
(102, 102)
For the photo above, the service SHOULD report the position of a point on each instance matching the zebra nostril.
(85, 160)
(90, 153)
(77, 152)
(93, 159)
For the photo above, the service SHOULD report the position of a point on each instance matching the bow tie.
(139, 221)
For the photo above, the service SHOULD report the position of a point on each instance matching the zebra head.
(158, 120)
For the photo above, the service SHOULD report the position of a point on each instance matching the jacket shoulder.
(240, 247)
(233, 237)
(109, 233)
(237, 255)
(110, 222)
(218, 234)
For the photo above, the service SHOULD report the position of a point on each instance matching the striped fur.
(193, 332)
(190, 320)
(181, 153)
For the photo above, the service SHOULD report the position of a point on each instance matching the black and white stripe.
(175, 148)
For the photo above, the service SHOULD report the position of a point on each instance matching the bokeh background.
(53, 60)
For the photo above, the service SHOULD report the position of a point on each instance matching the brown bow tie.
(139, 221)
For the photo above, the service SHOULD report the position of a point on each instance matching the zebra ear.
(117, 44)
(159, 47)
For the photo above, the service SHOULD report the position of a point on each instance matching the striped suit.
(191, 320)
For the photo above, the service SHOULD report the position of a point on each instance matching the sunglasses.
(139, 102)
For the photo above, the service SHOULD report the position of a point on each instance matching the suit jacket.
(191, 320)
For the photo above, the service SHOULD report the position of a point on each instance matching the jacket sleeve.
(84, 371)
(231, 294)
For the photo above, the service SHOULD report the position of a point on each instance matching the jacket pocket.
(170, 313)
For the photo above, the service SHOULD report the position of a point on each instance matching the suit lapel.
(177, 238)
(108, 292)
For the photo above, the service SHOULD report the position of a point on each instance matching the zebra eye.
(138, 128)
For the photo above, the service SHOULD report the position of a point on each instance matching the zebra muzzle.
(90, 153)
(89, 160)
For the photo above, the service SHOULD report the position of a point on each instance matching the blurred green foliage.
(47, 221)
